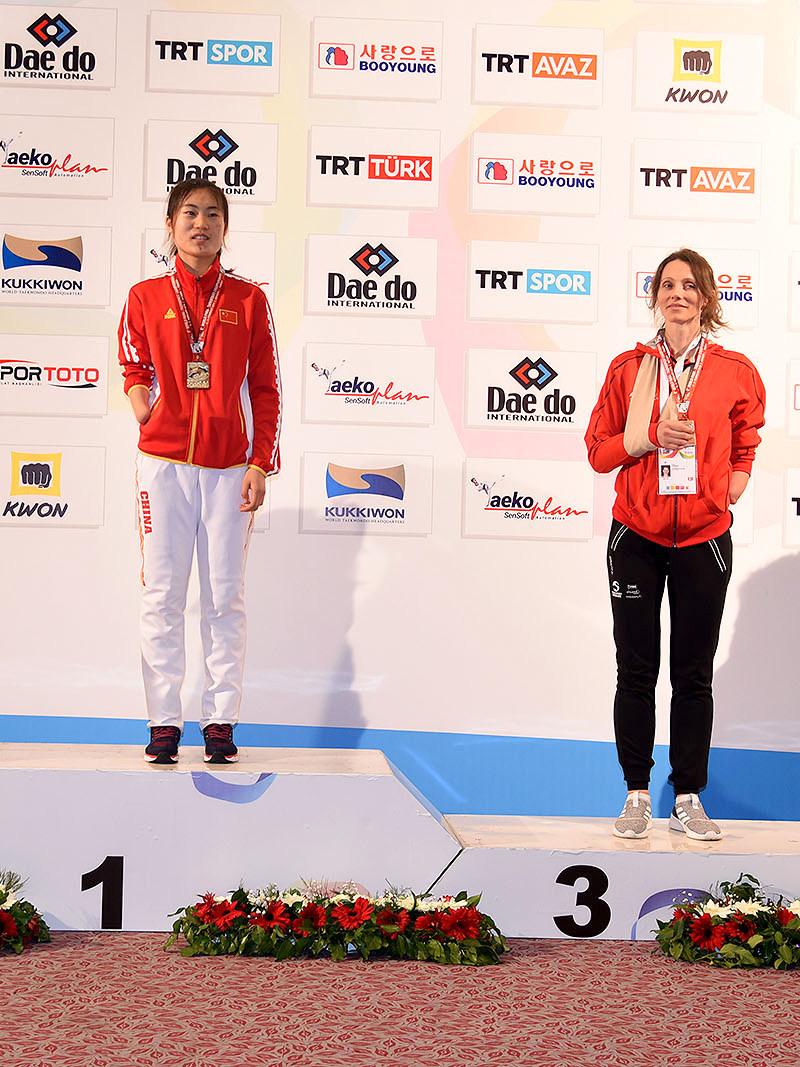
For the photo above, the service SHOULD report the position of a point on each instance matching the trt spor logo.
(210, 145)
(51, 30)
(374, 260)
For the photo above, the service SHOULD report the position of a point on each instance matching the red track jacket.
(236, 421)
(728, 410)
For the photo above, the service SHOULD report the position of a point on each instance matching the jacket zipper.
(674, 522)
(193, 427)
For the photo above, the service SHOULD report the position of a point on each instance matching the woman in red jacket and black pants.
(680, 417)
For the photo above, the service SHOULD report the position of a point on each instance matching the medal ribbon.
(196, 341)
(682, 402)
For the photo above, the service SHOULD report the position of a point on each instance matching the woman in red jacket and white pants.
(680, 417)
(200, 363)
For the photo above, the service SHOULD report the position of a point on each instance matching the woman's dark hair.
(184, 189)
(711, 313)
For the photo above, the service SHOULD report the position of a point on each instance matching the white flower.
(750, 907)
(795, 907)
(292, 897)
(720, 911)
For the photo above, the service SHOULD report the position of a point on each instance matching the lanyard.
(196, 341)
(682, 401)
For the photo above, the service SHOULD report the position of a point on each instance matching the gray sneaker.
(635, 818)
(688, 817)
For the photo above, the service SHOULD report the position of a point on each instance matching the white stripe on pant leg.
(718, 555)
(168, 509)
(618, 537)
(222, 539)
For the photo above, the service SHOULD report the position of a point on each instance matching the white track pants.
(180, 506)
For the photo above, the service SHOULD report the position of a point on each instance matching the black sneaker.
(163, 747)
(219, 743)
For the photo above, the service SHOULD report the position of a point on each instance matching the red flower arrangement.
(740, 926)
(317, 922)
(21, 924)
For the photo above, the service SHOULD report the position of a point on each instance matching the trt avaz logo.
(236, 178)
(367, 291)
(701, 179)
(571, 65)
(48, 58)
(506, 404)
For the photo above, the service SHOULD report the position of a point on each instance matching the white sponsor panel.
(195, 52)
(523, 173)
(249, 255)
(373, 168)
(540, 500)
(533, 282)
(794, 291)
(696, 72)
(55, 266)
(796, 168)
(47, 375)
(242, 158)
(793, 422)
(791, 515)
(366, 494)
(47, 156)
(378, 385)
(542, 65)
(738, 285)
(371, 275)
(696, 180)
(51, 486)
(381, 59)
(56, 51)
(525, 389)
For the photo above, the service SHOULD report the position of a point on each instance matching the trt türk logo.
(53, 29)
(374, 260)
(210, 145)
(536, 372)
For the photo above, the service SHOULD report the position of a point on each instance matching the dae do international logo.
(535, 399)
(55, 48)
(372, 289)
(237, 179)
(375, 486)
(35, 476)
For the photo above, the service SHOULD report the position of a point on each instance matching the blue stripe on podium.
(480, 774)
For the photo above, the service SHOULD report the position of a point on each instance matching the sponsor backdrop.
(457, 222)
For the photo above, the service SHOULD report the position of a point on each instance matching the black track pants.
(697, 580)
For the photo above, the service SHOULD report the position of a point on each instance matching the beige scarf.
(636, 437)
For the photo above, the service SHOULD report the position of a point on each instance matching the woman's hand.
(739, 480)
(139, 397)
(675, 433)
(254, 489)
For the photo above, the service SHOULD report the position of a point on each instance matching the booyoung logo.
(706, 74)
(214, 52)
(541, 65)
(76, 53)
(383, 168)
(40, 377)
(55, 267)
(395, 277)
(388, 385)
(56, 157)
(513, 390)
(696, 179)
(52, 487)
(241, 158)
(379, 58)
(538, 174)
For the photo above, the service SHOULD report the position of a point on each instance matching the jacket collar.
(190, 282)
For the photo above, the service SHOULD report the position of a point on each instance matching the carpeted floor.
(108, 1000)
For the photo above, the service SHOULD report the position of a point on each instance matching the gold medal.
(198, 375)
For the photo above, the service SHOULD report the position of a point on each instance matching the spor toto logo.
(538, 281)
(28, 372)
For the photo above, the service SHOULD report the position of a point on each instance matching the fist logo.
(697, 61)
(39, 475)
(336, 56)
(497, 171)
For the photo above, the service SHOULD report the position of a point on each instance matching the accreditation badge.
(677, 469)
(198, 374)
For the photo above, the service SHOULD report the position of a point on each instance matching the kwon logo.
(508, 405)
(537, 281)
(336, 56)
(382, 167)
(236, 179)
(515, 505)
(696, 61)
(365, 482)
(572, 66)
(352, 389)
(29, 255)
(27, 372)
(50, 60)
(35, 474)
(34, 162)
(701, 179)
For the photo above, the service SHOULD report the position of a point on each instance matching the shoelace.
(219, 731)
(163, 733)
